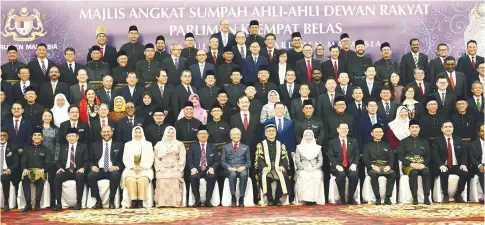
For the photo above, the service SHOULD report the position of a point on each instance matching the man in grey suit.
(457, 80)
(200, 69)
(76, 92)
(236, 162)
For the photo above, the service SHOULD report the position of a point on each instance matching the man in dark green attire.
(133, 49)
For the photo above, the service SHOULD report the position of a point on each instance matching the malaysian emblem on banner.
(24, 27)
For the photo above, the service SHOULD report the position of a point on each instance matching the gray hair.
(234, 130)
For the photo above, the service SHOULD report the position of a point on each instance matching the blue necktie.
(387, 108)
(280, 125)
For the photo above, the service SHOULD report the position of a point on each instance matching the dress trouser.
(114, 181)
(340, 179)
(413, 181)
(374, 180)
(461, 182)
(210, 180)
(243, 181)
(6, 186)
(39, 189)
(52, 169)
(65, 176)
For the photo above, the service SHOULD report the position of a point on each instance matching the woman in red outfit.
(399, 127)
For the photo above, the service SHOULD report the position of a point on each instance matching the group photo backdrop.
(62, 24)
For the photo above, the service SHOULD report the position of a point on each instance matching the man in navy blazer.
(366, 121)
(199, 70)
(252, 63)
(132, 92)
(475, 102)
(468, 63)
(225, 37)
(285, 129)
(203, 160)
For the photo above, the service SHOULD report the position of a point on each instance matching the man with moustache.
(148, 69)
(346, 55)
(49, 90)
(457, 80)
(189, 52)
(133, 49)
(235, 89)
(160, 53)
(10, 69)
(10, 162)
(317, 86)
(121, 72)
(359, 63)
(296, 53)
(411, 61)
(96, 68)
(108, 53)
(438, 64)
(254, 34)
(385, 66)
(225, 69)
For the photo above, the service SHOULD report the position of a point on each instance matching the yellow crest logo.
(24, 27)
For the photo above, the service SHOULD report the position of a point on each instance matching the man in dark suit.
(174, 65)
(182, 92)
(457, 80)
(421, 88)
(19, 88)
(40, 66)
(132, 92)
(284, 127)
(385, 106)
(6, 88)
(252, 63)
(359, 62)
(125, 125)
(450, 156)
(236, 161)
(108, 53)
(10, 69)
(446, 99)
(385, 66)
(203, 160)
(254, 34)
(190, 50)
(317, 86)
(69, 68)
(366, 121)
(32, 110)
(163, 99)
(96, 68)
(343, 87)
(468, 63)
(296, 111)
(240, 50)
(304, 67)
(199, 70)
(288, 90)
(326, 101)
(77, 91)
(74, 122)
(19, 129)
(10, 164)
(370, 86)
(97, 125)
(270, 52)
(49, 90)
(411, 61)
(119, 73)
(343, 155)
(71, 165)
(224, 36)
(334, 66)
(475, 152)
(438, 64)
(106, 161)
(107, 94)
(224, 71)
(475, 102)
(214, 56)
(357, 107)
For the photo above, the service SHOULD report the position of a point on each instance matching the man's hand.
(443, 169)
(113, 168)
(232, 169)
(193, 171)
(266, 170)
(240, 169)
(40, 172)
(281, 169)
(353, 167)
(25, 172)
(80, 170)
(376, 168)
(387, 168)
(339, 168)
(20, 150)
(463, 167)
(414, 165)
(7, 171)
(421, 166)
(210, 171)
(60, 171)
(481, 168)
(95, 169)
(165, 112)
(292, 155)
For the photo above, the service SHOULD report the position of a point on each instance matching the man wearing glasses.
(346, 55)
(296, 53)
(133, 49)
(225, 37)
(148, 69)
(270, 52)
(438, 64)
(174, 65)
(108, 53)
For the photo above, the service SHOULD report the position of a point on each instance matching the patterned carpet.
(289, 215)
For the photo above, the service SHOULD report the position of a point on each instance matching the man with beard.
(148, 69)
(385, 66)
(10, 163)
(317, 86)
(411, 61)
(457, 80)
(225, 69)
(438, 64)
(160, 53)
(49, 90)
(359, 63)
(346, 55)
(133, 49)
(296, 53)
(108, 53)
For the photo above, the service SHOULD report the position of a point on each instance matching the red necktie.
(344, 153)
(82, 91)
(309, 71)
(335, 69)
(16, 126)
(214, 57)
(450, 154)
(245, 122)
(270, 55)
(473, 63)
(103, 124)
(452, 82)
(421, 88)
(102, 55)
(235, 147)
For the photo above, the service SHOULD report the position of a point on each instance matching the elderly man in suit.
(200, 69)
(70, 68)
(438, 64)
(225, 37)
(236, 161)
(214, 56)
(77, 91)
(11, 163)
(468, 63)
(304, 67)
(457, 80)
(49, 90)
(132, 92)
(421, 88)
(252, 63)
(475, 152)
(240, 49)
(108, 53)
(40, 66)
(476, 101)
(334, 66)
(107, 94)
(162, 94)
(175, 64)
(411, 61)
(343, 155)
(203, 160)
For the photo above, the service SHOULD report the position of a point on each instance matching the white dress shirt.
(25, 84)
(277, 121)
(422, 85)
(482, 144)
(455, 162)
(242, 116)
(453, 74)
(244, 50)
(101, 121)
(4, 148)
(482, 79)
(132, 89)
(81, 85)
(225, 38)
(68, 163)
(344, 89)
(46, 62)
(101, 160)
(281, 72)
(73, 65)
(370, 85)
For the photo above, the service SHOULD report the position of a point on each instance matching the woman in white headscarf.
(399, 127)
(169, 170)
(308, 164)
(268, 109)
(138, 159)
(59, 111)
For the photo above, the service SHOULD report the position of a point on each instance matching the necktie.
(102, 55)
(235, 147)
(270, 55)
(73, 125)
(373, 120)
(421, 88)
(72, 164)
(176, 63)
(290, 90)
(241, 51)
(44, 69)
(188, 89)
(343, 89)
(443, 98)
(24, 89)
(452, 82)
(245, 122)
(331, 98)
(53, 88)
(214, 57)
(309, 71)
(103, 123)
(359, 108)
(16, 126)
(131, 122)
(450, 154)
(70, 68)
(2, 159)
(203, 159)
(479, 105)
(335, 69)
(82, 90)
(106, 158)
(161, 90)
(345, 162)
(388, 109)
(473, 62)
(280, 125)
(109, 95)
(202, 71)
(444, 64)
(415, 60)
(255, 60)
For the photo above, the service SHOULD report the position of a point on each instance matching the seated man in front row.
(477, 157)
(236, 162)
(273, 164)
(378, 158)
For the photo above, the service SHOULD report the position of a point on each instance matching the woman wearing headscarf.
(268, 109)
(89, 106)
(119, 109)
(320, 53)
(138, 160)
(145, 108)
(415, 108)
(59, 111)
(199, 112)
(308, 175)
(399, 127)
(169, 170)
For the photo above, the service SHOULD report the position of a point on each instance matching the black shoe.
(338, 202)
(387, 201)
(278, 203)
(426, 200)
(241, 202)
(415, 201)
(37, 205)
(28, 207)
(208, 204)
(133, 204)
(57, 207)
(446, 199)
(233, 201)
(378, 201)
(6, 207)
(351, 202)
(78, 206)
(140, 204)
(459, 199)
(98, 205)
(112, 204)
(197, 204)
(271, 203)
